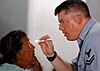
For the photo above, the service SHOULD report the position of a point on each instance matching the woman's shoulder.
(10, 67)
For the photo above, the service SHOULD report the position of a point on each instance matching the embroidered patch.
(90, 57)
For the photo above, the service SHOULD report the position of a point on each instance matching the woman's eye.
(29, 45)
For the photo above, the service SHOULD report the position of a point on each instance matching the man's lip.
(64, 33)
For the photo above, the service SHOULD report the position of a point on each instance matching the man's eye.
(61, 23)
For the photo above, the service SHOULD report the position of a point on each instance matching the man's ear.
(80, 19)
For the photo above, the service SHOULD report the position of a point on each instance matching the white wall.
(41, 21)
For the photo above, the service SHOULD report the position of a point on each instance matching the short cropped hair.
(74, 6)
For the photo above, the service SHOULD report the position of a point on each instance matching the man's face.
(69, 25)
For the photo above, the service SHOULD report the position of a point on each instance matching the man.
(76, 24)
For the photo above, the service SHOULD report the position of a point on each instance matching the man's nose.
(61, 27)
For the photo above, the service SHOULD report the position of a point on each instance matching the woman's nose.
(32, 46)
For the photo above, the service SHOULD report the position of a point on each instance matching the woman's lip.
(34, 53)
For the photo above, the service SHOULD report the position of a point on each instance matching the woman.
(18, 53)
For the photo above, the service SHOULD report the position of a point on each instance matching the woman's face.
(26, 55)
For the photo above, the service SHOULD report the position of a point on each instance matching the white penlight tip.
(37, 41)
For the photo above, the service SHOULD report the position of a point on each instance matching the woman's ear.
(19, 54)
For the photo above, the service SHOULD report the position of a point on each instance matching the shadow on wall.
(4, 28)
(94, 8)
(13, 15)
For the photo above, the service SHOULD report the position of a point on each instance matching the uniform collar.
(86, 29)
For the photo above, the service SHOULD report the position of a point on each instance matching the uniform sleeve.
(92, 54)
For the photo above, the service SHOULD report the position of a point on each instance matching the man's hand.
(47, 46)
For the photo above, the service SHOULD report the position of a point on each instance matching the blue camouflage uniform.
(89, 44)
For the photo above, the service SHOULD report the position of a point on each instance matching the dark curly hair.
(10, 44)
